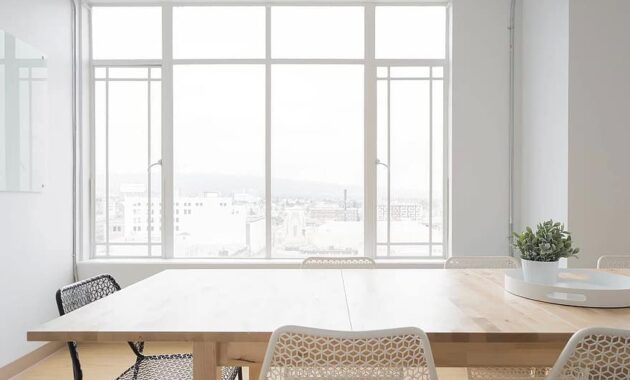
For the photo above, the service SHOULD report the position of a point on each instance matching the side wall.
(36, 228)
(599, 127)
(541, 144)
(480, 125)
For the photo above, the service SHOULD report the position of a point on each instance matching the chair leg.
(239, 373)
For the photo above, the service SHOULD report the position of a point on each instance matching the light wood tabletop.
(229, 314)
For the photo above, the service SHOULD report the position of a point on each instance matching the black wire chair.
(149, 367)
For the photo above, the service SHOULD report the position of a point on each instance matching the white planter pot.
(540, 272)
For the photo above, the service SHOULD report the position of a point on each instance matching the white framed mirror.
(23, 115)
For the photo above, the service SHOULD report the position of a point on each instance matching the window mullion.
(369, 135)
(168, 234)
(268, 232)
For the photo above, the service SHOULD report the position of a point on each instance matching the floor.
(107, 361)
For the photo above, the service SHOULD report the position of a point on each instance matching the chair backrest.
(482, 262)
(349, 262)
(304, 353)
(595, 353)
(612, 262)
(75, 296)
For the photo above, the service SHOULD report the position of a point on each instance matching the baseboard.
(28, 360)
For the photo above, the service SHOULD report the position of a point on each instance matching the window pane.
(219, 157)
(128, 72)
(410, 72)
(128, 162)
(100, 139)
(437, 219)
(317, 160)
(127, 212)
(317, 32)
(404, 142)
(411, 32)
(127, 32)
(219, 32)
(406, 251)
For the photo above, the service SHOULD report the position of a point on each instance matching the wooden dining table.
(229, 314)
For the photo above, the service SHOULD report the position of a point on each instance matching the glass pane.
(382, 72)
(438, 72)
(128, 161)
(156, 73)
(317, 160)
(100, 139)
(128, 73)
(317, 32)
(410, 72)
(156, 170)
(411, 32)
(409, 161)
(99, 72)
(404, 251)
(219, 157)
(438, 162)
(126, 32)
(219, 32)
(128, 250)
(100, 250)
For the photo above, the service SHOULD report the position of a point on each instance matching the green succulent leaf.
(548, 243)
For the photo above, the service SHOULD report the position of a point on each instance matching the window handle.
(156, 163)
(379, 162)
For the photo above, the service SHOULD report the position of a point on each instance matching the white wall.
(575, 161)
(541, 144)
(599, 132)
(36, 228)
(480, 115)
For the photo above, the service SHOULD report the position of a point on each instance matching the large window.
(277, 131)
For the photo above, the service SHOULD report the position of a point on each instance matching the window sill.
(249, 263)
(128, 271)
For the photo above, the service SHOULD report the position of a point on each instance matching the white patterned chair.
(482, 262)
(595, 353)
(614, 262)
(349, 262)
(297, 353)
(495, 373)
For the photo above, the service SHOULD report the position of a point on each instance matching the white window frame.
(369, 62)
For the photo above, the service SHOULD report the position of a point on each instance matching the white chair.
(349, 262)
(595, 353)
(482, 262)
(614, 262)
(304, 353)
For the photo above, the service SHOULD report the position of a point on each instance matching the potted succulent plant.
(542, 250)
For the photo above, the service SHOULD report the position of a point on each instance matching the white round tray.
(575, 287)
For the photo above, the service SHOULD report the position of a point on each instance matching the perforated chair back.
(81, 293)
(614, 262)
(482, 262)
(338, 262)
(595, 353)
(304, 353)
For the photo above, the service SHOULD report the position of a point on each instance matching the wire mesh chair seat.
(170, 367)
(349, 262)
(304, 353)
(595, 353)
(482, 262)
(614, 262)
(155, 367)
(511, 373)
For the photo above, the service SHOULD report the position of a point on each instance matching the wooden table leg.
(205, 356)
(254, 371)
